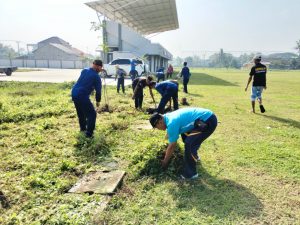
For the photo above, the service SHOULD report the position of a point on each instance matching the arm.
(170, 149)
(249, 81)
(151, 93)
(98, 86)
(136, 89)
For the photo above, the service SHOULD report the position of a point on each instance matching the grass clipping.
(149, 166)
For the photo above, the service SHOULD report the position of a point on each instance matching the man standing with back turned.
(185, 73)
(258, 71)
(87, 82)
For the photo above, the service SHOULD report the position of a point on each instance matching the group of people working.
(193, 124)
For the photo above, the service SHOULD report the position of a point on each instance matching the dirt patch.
(105, 108)
(153, 110)
(184, 101)
(142, 125)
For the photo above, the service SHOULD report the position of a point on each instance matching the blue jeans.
(256, 92)
(86, 115)
(172, 93)
(120, 83)
(192, 142)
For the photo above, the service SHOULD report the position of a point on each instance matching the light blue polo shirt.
(182, 121)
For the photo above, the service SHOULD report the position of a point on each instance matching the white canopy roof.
(144, 16)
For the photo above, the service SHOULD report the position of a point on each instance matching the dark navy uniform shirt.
(166, 86)
(185, 73)
(88, 81)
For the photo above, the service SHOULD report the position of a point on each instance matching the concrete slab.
(99, 182)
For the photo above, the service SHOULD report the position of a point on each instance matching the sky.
(237, 26)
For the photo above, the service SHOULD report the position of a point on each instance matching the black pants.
(185, 83)
(133, 74)
(121, 83)
(138, 101)
(169, 75)
(139, 96)
(192, 143)
(172, 93)
(86, 115)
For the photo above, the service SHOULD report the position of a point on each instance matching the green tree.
(7, 52)
(298, 47)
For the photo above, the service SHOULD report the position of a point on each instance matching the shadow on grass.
(289, 122)
(221, 198)
(205, 79)
(92, 149)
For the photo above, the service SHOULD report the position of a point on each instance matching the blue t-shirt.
(87, 82)
(166, 86)
(182, 121)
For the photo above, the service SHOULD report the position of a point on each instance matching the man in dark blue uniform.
(88, 81)
(185, 73)
(167, 89)
(133, 73)
(120, 74)
(258, 72)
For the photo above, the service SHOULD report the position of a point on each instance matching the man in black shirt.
(258, 72)
(138, 85)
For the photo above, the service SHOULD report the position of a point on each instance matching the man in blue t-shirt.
(88, 81)
(185, 73)
(168, 90)
(195, 125)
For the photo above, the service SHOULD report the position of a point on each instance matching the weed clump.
(152, 167)
(92, 148)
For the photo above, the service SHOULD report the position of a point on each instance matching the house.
(54, 48)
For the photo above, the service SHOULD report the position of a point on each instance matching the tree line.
(222, 59)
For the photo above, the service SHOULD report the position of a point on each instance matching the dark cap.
(155, 118)
(98, 62)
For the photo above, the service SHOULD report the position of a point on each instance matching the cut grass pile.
(249, 174)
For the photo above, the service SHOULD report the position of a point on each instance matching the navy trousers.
(172, 93)
(120, 83)
(192, 142)
(185, 83)
(86, 115)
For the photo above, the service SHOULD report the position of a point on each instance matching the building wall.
(134, 42)
(49, 52)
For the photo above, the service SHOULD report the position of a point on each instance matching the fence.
(36, 63)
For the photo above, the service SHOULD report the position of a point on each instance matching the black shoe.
(262, 109)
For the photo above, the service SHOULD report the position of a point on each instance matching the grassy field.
(249, 174)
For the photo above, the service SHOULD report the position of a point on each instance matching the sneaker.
(189, 178)
(262, 109)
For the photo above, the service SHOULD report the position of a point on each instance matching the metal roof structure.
(144, 16)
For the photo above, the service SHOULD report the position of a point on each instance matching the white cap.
(257, 57)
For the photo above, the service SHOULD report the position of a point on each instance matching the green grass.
(250, 171)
